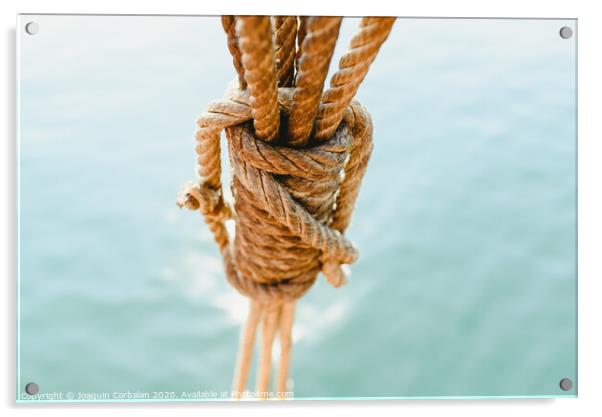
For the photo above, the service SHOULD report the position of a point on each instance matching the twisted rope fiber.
(291, 205)
(285, 207)
(257, 57)
(279, 247)
(353, 67)
(315, 53)
(229, 25)
(301, 30)
(285, 35)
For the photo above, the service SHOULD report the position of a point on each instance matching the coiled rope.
(298, 156)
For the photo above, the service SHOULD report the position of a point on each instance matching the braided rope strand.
(285, 34)
(353, 67)
(313, 61)
(301, 32)
(229, 25)
(257, 56)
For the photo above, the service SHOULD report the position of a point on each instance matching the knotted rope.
(298, 158)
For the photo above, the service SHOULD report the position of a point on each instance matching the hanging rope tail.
(298, 156)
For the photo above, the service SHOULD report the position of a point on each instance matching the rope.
(292, 204)
(353, 67)
(287, 316)
(315, 52)
(301, 32)
(229, 25)
(257, 56)
(246, 348)
(285, 34)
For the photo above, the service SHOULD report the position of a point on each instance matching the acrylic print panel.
(465, 222)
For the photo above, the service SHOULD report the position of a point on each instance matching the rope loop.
(205, 199)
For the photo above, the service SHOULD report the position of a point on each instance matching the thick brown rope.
(291, 205)
(353, 67)
(286, 206)
(285, 35)
(285, 198)
(314, 56)
(229, 25)
(301, 30)
(257, 57)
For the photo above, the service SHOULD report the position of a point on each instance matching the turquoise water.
(466, 223)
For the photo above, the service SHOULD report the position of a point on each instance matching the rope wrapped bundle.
(298, 157)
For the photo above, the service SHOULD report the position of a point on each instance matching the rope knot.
(298, 154)
(292, 204)
(205, 199)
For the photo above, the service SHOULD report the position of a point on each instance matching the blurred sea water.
(466, 221)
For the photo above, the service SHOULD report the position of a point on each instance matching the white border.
(590, 201)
